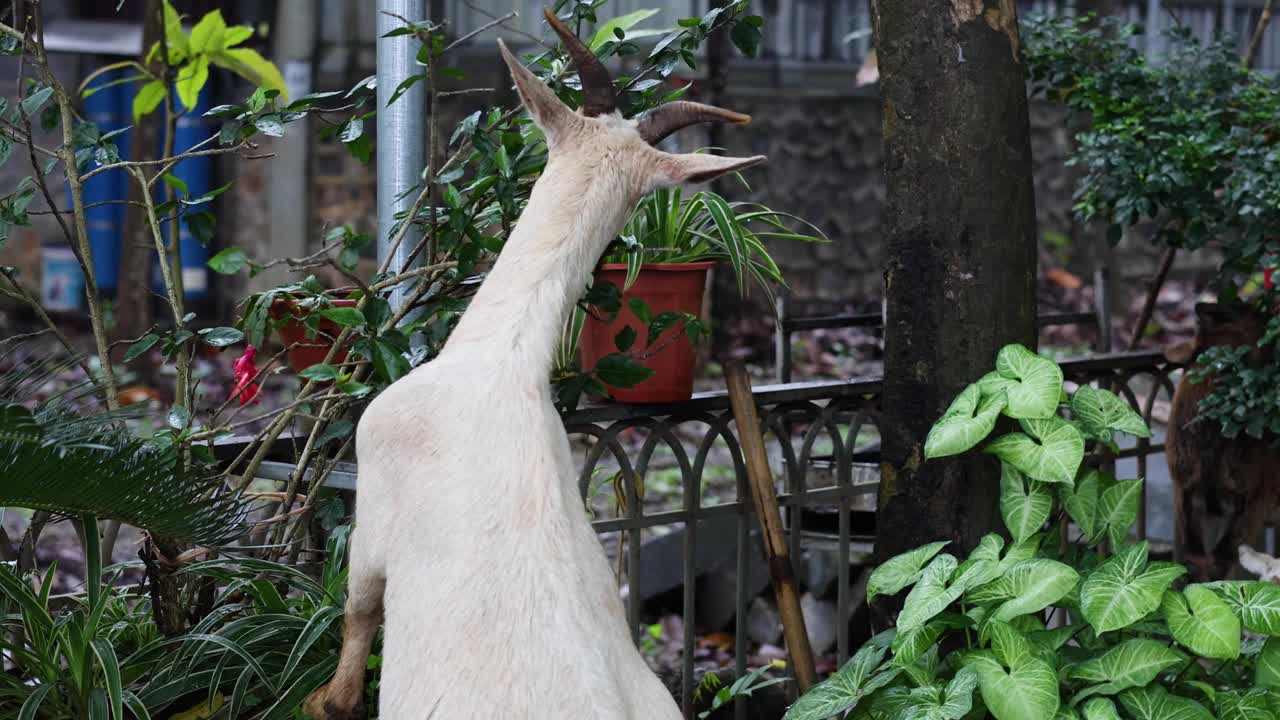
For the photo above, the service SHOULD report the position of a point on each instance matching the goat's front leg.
(343, 697)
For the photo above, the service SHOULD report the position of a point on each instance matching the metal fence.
(823, 438)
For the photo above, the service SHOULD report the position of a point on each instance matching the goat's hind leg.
(343, 697)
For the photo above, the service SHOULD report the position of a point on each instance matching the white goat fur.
(471, 533)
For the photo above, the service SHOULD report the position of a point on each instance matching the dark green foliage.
(1189, 140)
(56, 455)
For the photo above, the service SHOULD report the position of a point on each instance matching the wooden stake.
(781, 574)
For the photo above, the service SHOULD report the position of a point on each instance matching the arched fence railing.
(669, 494)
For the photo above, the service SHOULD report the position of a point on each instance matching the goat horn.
(666, 119)
(597, 85)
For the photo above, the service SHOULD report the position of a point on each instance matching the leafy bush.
(1190, 143)
(1065, 618)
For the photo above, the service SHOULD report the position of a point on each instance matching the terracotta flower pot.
(303, 351)
(665, 287)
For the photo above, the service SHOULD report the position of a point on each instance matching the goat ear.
(699, 167)
(548, 112)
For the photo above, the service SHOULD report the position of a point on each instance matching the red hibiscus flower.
(246, 370)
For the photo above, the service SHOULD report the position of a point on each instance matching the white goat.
(471, 535)
(1267, 568)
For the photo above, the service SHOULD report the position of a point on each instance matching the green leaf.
(1252, 704)
(1015, 684)
(1133, 663)
(179, 417)
(661, 323)
(1099, 708)
(931, 702)
(33, 102)
(221, 336)
(1081, 502)
(321, 372)
(201, 225)
(1025, 506)
(1123, 590)
(621, 370)
(1033, 383)
(1267, 672)
(967, 422)
(191, 80)
(908, 646)
(389, 360)
(1051, 451)
(270, 125)
(624, 22)
(237, 34)
(174, 182)
(110, 664)
(1118, 510)
(1256, 603)
(1202, 622)
(229, 261)
(932, 594)
(1155, 703)
(625, 338)
(902, 570)
(145, 343)
(351, 130)
(147, 99)
(30, 709)
(344, 316)
(175, 37)
(208, 34)
(354, 389)
(1102, 412)
(253, 67)
(858, 679)
(1027, 587)
(641, 309)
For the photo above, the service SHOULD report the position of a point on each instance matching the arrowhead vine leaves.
(1043, 629)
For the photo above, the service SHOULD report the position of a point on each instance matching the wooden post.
(765, 499)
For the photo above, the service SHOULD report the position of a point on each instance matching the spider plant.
(668, 227)
(79, 662)
(272, 640)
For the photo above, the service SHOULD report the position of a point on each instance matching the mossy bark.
(960, 232)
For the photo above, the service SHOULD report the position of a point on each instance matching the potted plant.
(307, 318)
(660, 264)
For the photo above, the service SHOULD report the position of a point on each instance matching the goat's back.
(499, 601)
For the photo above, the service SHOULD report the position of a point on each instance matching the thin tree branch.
(1255, 42)
(1153, 292)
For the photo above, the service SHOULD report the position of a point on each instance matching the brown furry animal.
(1224, 488)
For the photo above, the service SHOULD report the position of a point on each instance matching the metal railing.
(824, 450)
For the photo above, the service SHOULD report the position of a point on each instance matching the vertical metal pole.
(401, 129)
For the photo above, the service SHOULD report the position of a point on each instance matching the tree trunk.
(133, 315)
(960, 232)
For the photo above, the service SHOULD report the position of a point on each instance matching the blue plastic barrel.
(105, 222)
(198, 174)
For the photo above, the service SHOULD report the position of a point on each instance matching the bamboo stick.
(765, 500)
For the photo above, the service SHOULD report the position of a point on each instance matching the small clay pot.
(303, 351)
(665, 287)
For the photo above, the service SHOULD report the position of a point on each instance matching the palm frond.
(56, 456)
